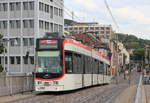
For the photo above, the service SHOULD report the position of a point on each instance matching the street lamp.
(4, 42)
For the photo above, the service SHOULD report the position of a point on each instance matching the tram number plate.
(47, 84)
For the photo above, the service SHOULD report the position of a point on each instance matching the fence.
(138, 98)
(16, 84)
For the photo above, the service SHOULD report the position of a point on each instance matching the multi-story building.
(147, 57)
(93, 27)
(21, 22)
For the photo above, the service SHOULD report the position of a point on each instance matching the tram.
(64, 64)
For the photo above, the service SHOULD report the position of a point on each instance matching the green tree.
(1, 50)
(138, 54)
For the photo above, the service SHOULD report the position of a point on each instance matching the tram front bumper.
(49, 88)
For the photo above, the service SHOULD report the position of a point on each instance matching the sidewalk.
(5, 99)
(146, 92)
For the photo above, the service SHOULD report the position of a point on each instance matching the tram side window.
(96, 67)
(68, 61)
(105, 69)
(101, 68)
(88, 66)
(77, 64)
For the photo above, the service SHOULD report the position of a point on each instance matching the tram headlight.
(55, 82)
(39, 82)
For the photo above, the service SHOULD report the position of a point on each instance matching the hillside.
(68, 22)
(137, 44)
(131, 41)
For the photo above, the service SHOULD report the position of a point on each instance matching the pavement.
(6, 99)
(146, 93)
(127, 96)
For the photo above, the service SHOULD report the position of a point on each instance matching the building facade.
(93, 27)
(21, 22)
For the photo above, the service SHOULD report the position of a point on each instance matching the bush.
(1, 68)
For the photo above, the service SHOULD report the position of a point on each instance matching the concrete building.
(147, 57)
(93, 27)
(21, 22)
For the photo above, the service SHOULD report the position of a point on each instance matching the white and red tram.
(65, 64)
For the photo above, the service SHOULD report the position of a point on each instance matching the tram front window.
(49, 62)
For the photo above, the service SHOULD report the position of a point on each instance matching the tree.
(138, 54)
(1, 50)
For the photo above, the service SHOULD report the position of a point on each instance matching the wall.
(15, 84)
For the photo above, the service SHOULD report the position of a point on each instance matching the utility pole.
(72, 16)
(117, 59)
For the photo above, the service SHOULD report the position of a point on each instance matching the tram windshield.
(49, 62)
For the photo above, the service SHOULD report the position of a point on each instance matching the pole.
(117, 66)
(4, 61)
(72, 16)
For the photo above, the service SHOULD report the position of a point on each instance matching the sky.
(132, 16)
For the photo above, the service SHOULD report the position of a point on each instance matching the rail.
(138, 98)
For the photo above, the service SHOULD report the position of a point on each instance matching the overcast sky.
(133, 16)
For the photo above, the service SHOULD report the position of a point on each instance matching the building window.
(12, 60)
(12, 42)
(31, 22)
(6, 61)
(32, 60)
(41, 6)
(18, 24)
(97, 28)
(25, 41)
(55, 28)
(51, 25)
(12, 6)
(0, 60)
(102, 28)
(41, 24)
(25, 23)
(60, 28)
(0, 25)
(18, 5)
(51, 11)
(92, 28)
(55, 11)
(25, 60)
(80, 28)
(31, 5)
(28, 23)
(60, 12)
(4, 24)
(46, 8)
(12, 24)
(18, 41)
(0, 6)
(25, 5)
(31, 41)
(5, 6)
(18, 60)
(47, 25)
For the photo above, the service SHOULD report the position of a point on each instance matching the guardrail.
(10, 85)
(138, 98)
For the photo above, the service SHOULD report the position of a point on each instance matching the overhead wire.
(66, 10)
(111, 14)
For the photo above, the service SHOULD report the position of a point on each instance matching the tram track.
(96, 94)
(36, 97)
(101, 96)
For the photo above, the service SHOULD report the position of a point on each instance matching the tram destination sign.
(48, 44)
